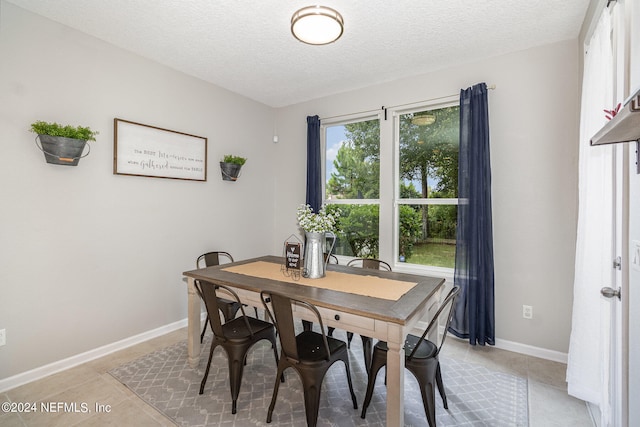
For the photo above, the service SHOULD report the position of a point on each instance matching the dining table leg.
(395, 377)
(193, 323)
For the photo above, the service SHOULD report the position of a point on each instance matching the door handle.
(610, 293)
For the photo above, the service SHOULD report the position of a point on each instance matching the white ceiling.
(246, 46)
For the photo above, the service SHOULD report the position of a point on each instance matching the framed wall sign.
(151, 151)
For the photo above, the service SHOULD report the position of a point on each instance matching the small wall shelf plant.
(62, 145)
(230, 167)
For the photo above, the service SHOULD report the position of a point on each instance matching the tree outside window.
(428, 169)
(353, 178)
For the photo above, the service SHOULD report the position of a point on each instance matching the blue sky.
(335, 137)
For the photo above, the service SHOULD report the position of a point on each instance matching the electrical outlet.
(3, 337)
(527, 311)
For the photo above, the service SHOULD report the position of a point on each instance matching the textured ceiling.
(246, 46)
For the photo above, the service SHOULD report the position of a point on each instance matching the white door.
(633, 292)
(619, 345)
(617, 293)
(633, 301)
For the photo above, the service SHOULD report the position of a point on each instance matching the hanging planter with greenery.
(62, 145)
(230, 167)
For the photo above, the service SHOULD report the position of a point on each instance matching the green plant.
(54, 129)
(229, 158)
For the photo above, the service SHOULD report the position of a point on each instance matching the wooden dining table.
(374, 303)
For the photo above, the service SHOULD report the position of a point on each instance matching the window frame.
(451, 101)
(389, 197)
(341, 121)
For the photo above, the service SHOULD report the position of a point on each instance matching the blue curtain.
(474, 317)
(314, 175)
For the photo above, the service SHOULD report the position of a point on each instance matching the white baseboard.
(516, 347)
(530, 350)
(78, 359)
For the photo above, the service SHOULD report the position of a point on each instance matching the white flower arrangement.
(316, 222)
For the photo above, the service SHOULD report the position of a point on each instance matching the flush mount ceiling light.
(317, 25)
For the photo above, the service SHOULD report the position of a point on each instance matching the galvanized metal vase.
(315, 262)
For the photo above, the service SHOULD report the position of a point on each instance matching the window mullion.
(387, 190)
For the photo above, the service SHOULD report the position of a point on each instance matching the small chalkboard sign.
(292, 257)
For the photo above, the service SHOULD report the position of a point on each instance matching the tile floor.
(549, 404)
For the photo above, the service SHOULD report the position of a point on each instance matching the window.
(427, 188)
(395, 182)
(352, 184)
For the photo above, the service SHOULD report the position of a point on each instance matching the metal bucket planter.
(230, 171)
(59, 150)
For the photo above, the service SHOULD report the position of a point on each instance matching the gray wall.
(534, 133)
(88, 258)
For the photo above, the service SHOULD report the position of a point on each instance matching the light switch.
(635, 254)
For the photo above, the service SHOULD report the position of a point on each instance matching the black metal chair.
(367, 342)
(310, 353)
(421, 359)
(332, 259)
(228, 308)
(372, 263)
(235, 336)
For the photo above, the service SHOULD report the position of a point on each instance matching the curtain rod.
(489, 87)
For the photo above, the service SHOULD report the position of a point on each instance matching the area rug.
(476, 395)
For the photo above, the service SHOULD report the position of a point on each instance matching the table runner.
(371, 286)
